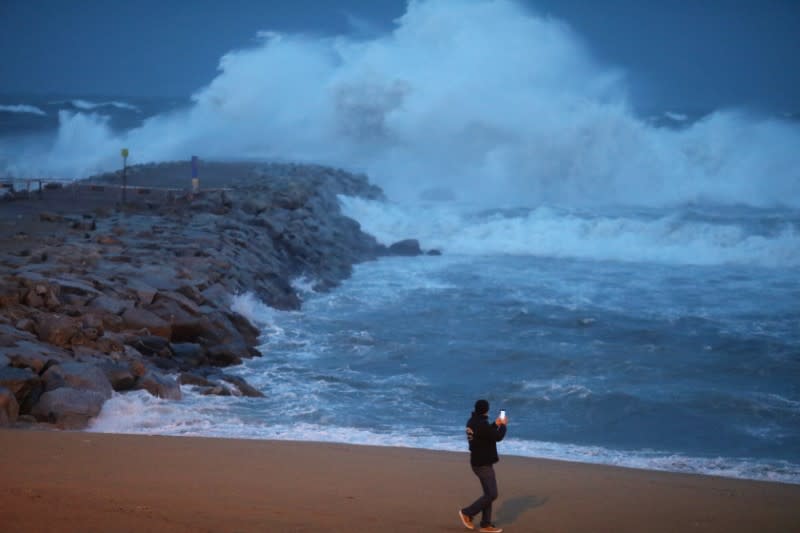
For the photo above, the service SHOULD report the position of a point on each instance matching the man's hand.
(501, 421)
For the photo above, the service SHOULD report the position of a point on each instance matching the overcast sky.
(676, 53)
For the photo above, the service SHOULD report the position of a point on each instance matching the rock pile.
(138, 297)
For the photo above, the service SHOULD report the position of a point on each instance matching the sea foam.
(484, 99)
(661, 237)
(22, 108)
(140, 413)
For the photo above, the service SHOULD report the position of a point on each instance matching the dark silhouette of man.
(483, 438)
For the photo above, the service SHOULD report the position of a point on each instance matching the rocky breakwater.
(99, 296)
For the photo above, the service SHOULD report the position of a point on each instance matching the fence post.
(124, 153)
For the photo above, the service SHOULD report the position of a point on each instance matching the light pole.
(124, 153)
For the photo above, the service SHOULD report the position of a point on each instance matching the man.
(483, 438)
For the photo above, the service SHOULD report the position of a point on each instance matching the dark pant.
(484, 503)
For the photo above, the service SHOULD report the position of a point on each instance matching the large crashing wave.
(688, 236)
(483, 99)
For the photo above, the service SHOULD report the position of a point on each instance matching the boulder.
(20, 381)
(137, 368)
(227, 354)
(185, 303)
(187, 321)
(33, 361)
(83, 376)
(144, 292)
(233, 328)
(150, 345)
(407, 247)
(166, 364)
(188, 354)
(9, 408)
(68, 408)
(187, 378)
(93, 322)
(245, 389)
(76, 287)
(215, 390)
(109, 304)
(120, 376)
(138, 318)
(9, 296)
(26, 324)
(160, 386)
(56, 329)
(32, 299)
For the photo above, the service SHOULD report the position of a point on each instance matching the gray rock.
(408, 247)
(20, 381)
(144, 292)
(83, 376)
(227, 354)
(188, 378)
(9, 296)
(138, 318)
(78, 287)
(68, 408)
(215, 390)
(26, 324)
(55, 329)
(150, 345)
(120, 376)
(244, 388)
(188, 354)
(33, 355)
(160, 386)
(108, 304)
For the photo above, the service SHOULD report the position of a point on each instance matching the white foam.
(22, 108)
(483, 98)
(257, 312)
(87, 105)
(548, 232)
(140, 413)
(304, 285)
(556, 390)
(677, 117)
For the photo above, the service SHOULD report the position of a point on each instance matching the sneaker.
(490, 529)
(466, 520)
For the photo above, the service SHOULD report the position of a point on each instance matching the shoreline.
(504, 453)
(109, 482)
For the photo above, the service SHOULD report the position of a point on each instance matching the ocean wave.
(86, 105)
(22, 108)
(140, 413)
(668, 237)
(450, 110)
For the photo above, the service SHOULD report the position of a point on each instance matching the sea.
(622, 281)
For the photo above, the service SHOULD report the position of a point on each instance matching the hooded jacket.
(483, 438)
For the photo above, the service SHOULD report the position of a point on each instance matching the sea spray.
(736, 236)
(488, 100)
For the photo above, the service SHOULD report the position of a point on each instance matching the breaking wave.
(484, 99)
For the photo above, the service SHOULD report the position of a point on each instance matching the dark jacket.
(483, 438)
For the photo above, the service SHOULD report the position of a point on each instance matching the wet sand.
(54, 481)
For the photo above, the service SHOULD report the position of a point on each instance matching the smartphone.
(503, 414)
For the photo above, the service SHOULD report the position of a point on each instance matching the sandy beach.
(88, 482)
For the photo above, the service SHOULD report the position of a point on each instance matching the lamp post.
(195, 176)
(124, 153)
